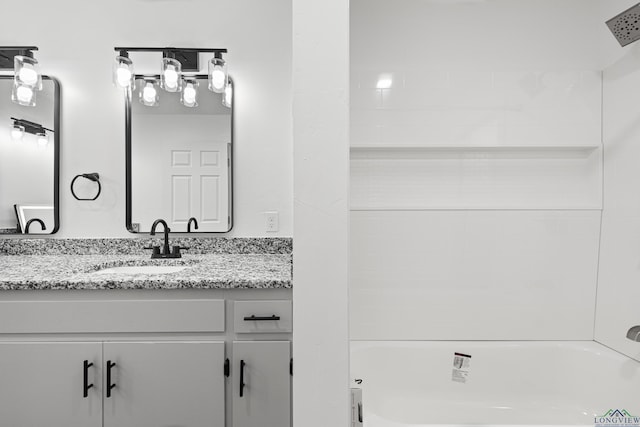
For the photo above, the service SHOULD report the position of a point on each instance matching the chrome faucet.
(195, 224)
(634, 333)
(165, 252)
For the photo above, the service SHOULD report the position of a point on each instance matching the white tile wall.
(427, 107)
(479, 275)
(618, 306)
(499, 118)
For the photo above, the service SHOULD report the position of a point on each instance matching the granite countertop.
(76, 269)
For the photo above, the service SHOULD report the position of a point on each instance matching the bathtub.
(411, 383)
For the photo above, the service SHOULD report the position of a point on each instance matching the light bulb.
(227, 98)
(24, 94)
(43, 140)
(28, 75)
(149, 94)
(217, 78)
(123, 77)
(189, 96)
(17, 132)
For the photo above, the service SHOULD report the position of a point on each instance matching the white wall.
(76, 40)
(321, 203)
(619, 278)
(477, 175)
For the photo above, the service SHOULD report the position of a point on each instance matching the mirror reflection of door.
(27, 163)
(199, 184)
(180, 162)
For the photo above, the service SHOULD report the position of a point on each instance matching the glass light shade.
(227, 97)
(43, 139)
(217, 75)
(149, 94)
(23, 95)
(27, 72)
(17, 132)
(189, 97)
(171, 75)
(123, 73)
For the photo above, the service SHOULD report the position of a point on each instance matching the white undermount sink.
(142, 269)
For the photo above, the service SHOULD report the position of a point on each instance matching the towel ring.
(91, 177)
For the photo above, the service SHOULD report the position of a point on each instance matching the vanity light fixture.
(22, 126)
(175, 63)
(217, 73)
(149, 93)
(189, 97)
(27, 78)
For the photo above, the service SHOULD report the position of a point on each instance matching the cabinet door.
(261, 384)
(164, 384)
(43, 384)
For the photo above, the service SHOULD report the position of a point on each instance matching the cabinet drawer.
(112, 316)
(262, 316)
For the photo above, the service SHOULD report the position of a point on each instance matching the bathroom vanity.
(95, 333)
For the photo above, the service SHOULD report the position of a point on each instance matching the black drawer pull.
(85, 383)
(110, 365)
(242, 384)
(254, 317)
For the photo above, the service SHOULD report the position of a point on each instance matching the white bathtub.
(535, 383)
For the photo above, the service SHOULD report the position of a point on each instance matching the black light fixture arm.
(168, 49)
(30, 127)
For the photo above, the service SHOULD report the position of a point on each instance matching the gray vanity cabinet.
(164, 384)
(176, 383)
(42, 384)
(261, 384)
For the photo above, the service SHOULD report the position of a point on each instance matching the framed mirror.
(179, 161)
(30, 160)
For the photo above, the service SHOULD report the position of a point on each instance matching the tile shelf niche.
(558, 177)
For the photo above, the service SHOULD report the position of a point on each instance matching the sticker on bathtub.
(461, 365)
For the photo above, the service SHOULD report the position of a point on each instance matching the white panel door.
(199, 182)
(43, 384)
(261, 384)
(164, 384)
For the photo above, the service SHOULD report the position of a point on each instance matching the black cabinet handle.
(360, 412)
(254, 317)
(85, 383)
(110, 365)
(242, 384)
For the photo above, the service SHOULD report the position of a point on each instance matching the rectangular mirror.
(29, 163)
(179, 161)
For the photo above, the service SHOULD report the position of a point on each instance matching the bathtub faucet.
(634, 333)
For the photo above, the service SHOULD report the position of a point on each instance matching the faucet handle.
(176, 250)
(155, 249)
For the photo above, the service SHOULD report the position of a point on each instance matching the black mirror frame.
(57, 95)
(128, 160)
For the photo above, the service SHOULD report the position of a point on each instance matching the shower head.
(626, 25)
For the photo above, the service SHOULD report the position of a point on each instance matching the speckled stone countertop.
(217, 263)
